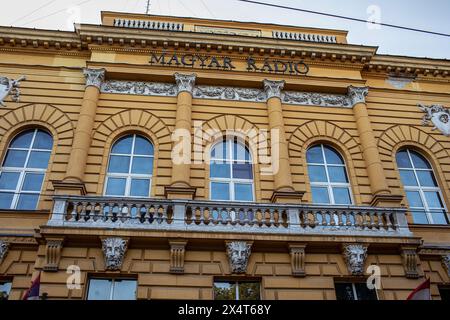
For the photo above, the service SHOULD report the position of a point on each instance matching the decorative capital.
(4, 247)
(185, 82)
(438, 115)
(446, 262)
(114, 249)
(10, 87)
(410, 261)
(355, 256)
(357, 94)
(94, 77)
(238, 255)
(273, 88)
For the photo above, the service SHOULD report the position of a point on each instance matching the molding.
(114, 249)
(139, 88)
(357, 94)
(287, 196)
(229, 93)
(94, 77)
(386, 200)
(10, 87)
(238, 253)
(185, 82)
(438, 115)
(177, 254)
(410, 261)
(273, 88)
(174, 192)
(355, 256)
(53, 250)
(297, 253)
(79, 187)
(4, 248)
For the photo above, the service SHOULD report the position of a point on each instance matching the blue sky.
(430, 15)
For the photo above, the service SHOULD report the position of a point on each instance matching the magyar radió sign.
(251, 64)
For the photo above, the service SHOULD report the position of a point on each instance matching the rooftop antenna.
(147, 11)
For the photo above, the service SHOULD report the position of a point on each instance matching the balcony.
(227, 217)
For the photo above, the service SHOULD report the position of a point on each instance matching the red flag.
(422, 292)
(33, 292)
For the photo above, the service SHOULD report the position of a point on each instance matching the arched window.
(23, 170)
(328, 176)
(231, 172)
(130, 167)
(422, 191)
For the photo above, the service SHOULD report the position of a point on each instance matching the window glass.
(237, 290)
(220, 191)
(320, 195)
(243, 192)
(124, 290)
(341, 196)
(5, 289)
(116, 186)
(354, 291)
(9, 180)
(140, 187)
(317, 173)
(314, 155)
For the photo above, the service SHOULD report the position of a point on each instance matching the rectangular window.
(5, 289)
(237, 290)
(445, 293)
(354, 291)
(112, 289)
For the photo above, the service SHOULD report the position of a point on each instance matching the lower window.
(445, 293)
(5, 289)
(354, 291)
(112, 289)
(237, 290)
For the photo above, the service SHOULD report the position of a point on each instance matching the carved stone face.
(355, 256)
(114, 251)
(238, 255)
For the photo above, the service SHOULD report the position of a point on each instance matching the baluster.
(380, 220)
(147, 214)
(372, 219)
(73, 214)
(272, 217)
(202, 214)
(389, 225)
(364, 219)
(348, 220)
(83, 211)
(340, 222)
(229, 215)
(332, 218)
(315, 221)
(110, 215)
(324, 217)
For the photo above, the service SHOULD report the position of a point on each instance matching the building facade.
(155, 157)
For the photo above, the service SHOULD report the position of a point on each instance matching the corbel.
(297, 253)
(53, 249)
(177, 253)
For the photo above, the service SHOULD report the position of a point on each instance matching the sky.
(432, 15)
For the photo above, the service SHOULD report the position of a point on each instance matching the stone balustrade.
(213, 216)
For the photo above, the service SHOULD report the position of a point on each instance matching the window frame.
(329, 185)
(420, 189)
(354, 290)
(130, 176)
(237, 283)
(23, 171)
(112, 286)
(230, 161)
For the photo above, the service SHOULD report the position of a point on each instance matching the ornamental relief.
(438, 115)
(225, 93)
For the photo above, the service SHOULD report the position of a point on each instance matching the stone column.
(378, 183)
(283, 186)
(180, 187)
(73, 181)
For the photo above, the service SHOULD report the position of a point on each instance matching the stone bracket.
(53, 250)
(410, 260)
(177, 254)
(297, 252)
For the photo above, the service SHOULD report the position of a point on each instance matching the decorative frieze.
(357, 94)
(139, 88)
(438, 115)
(177, 252)
(297, 252)
(10, 86)
(410, 261)
(53, 250)
(4, 247)
(446, 263)
(226, 93)
(238, 255)
(273, 88)
(94, 77)
(355, 256)
(114, 250)
(185, 82)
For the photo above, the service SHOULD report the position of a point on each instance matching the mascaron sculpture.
(355, 257)
(114, 251)
(238, 254)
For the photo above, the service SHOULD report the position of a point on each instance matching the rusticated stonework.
(238, 255)
(355, 256)
(114, 249)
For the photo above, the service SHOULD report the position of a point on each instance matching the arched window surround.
(439, 183)
(328, 184)
(24, 167)
(232, 182)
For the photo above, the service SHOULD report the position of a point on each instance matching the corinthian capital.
(185, 82)
(94, 77)
(357, 94)
(273, 88)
